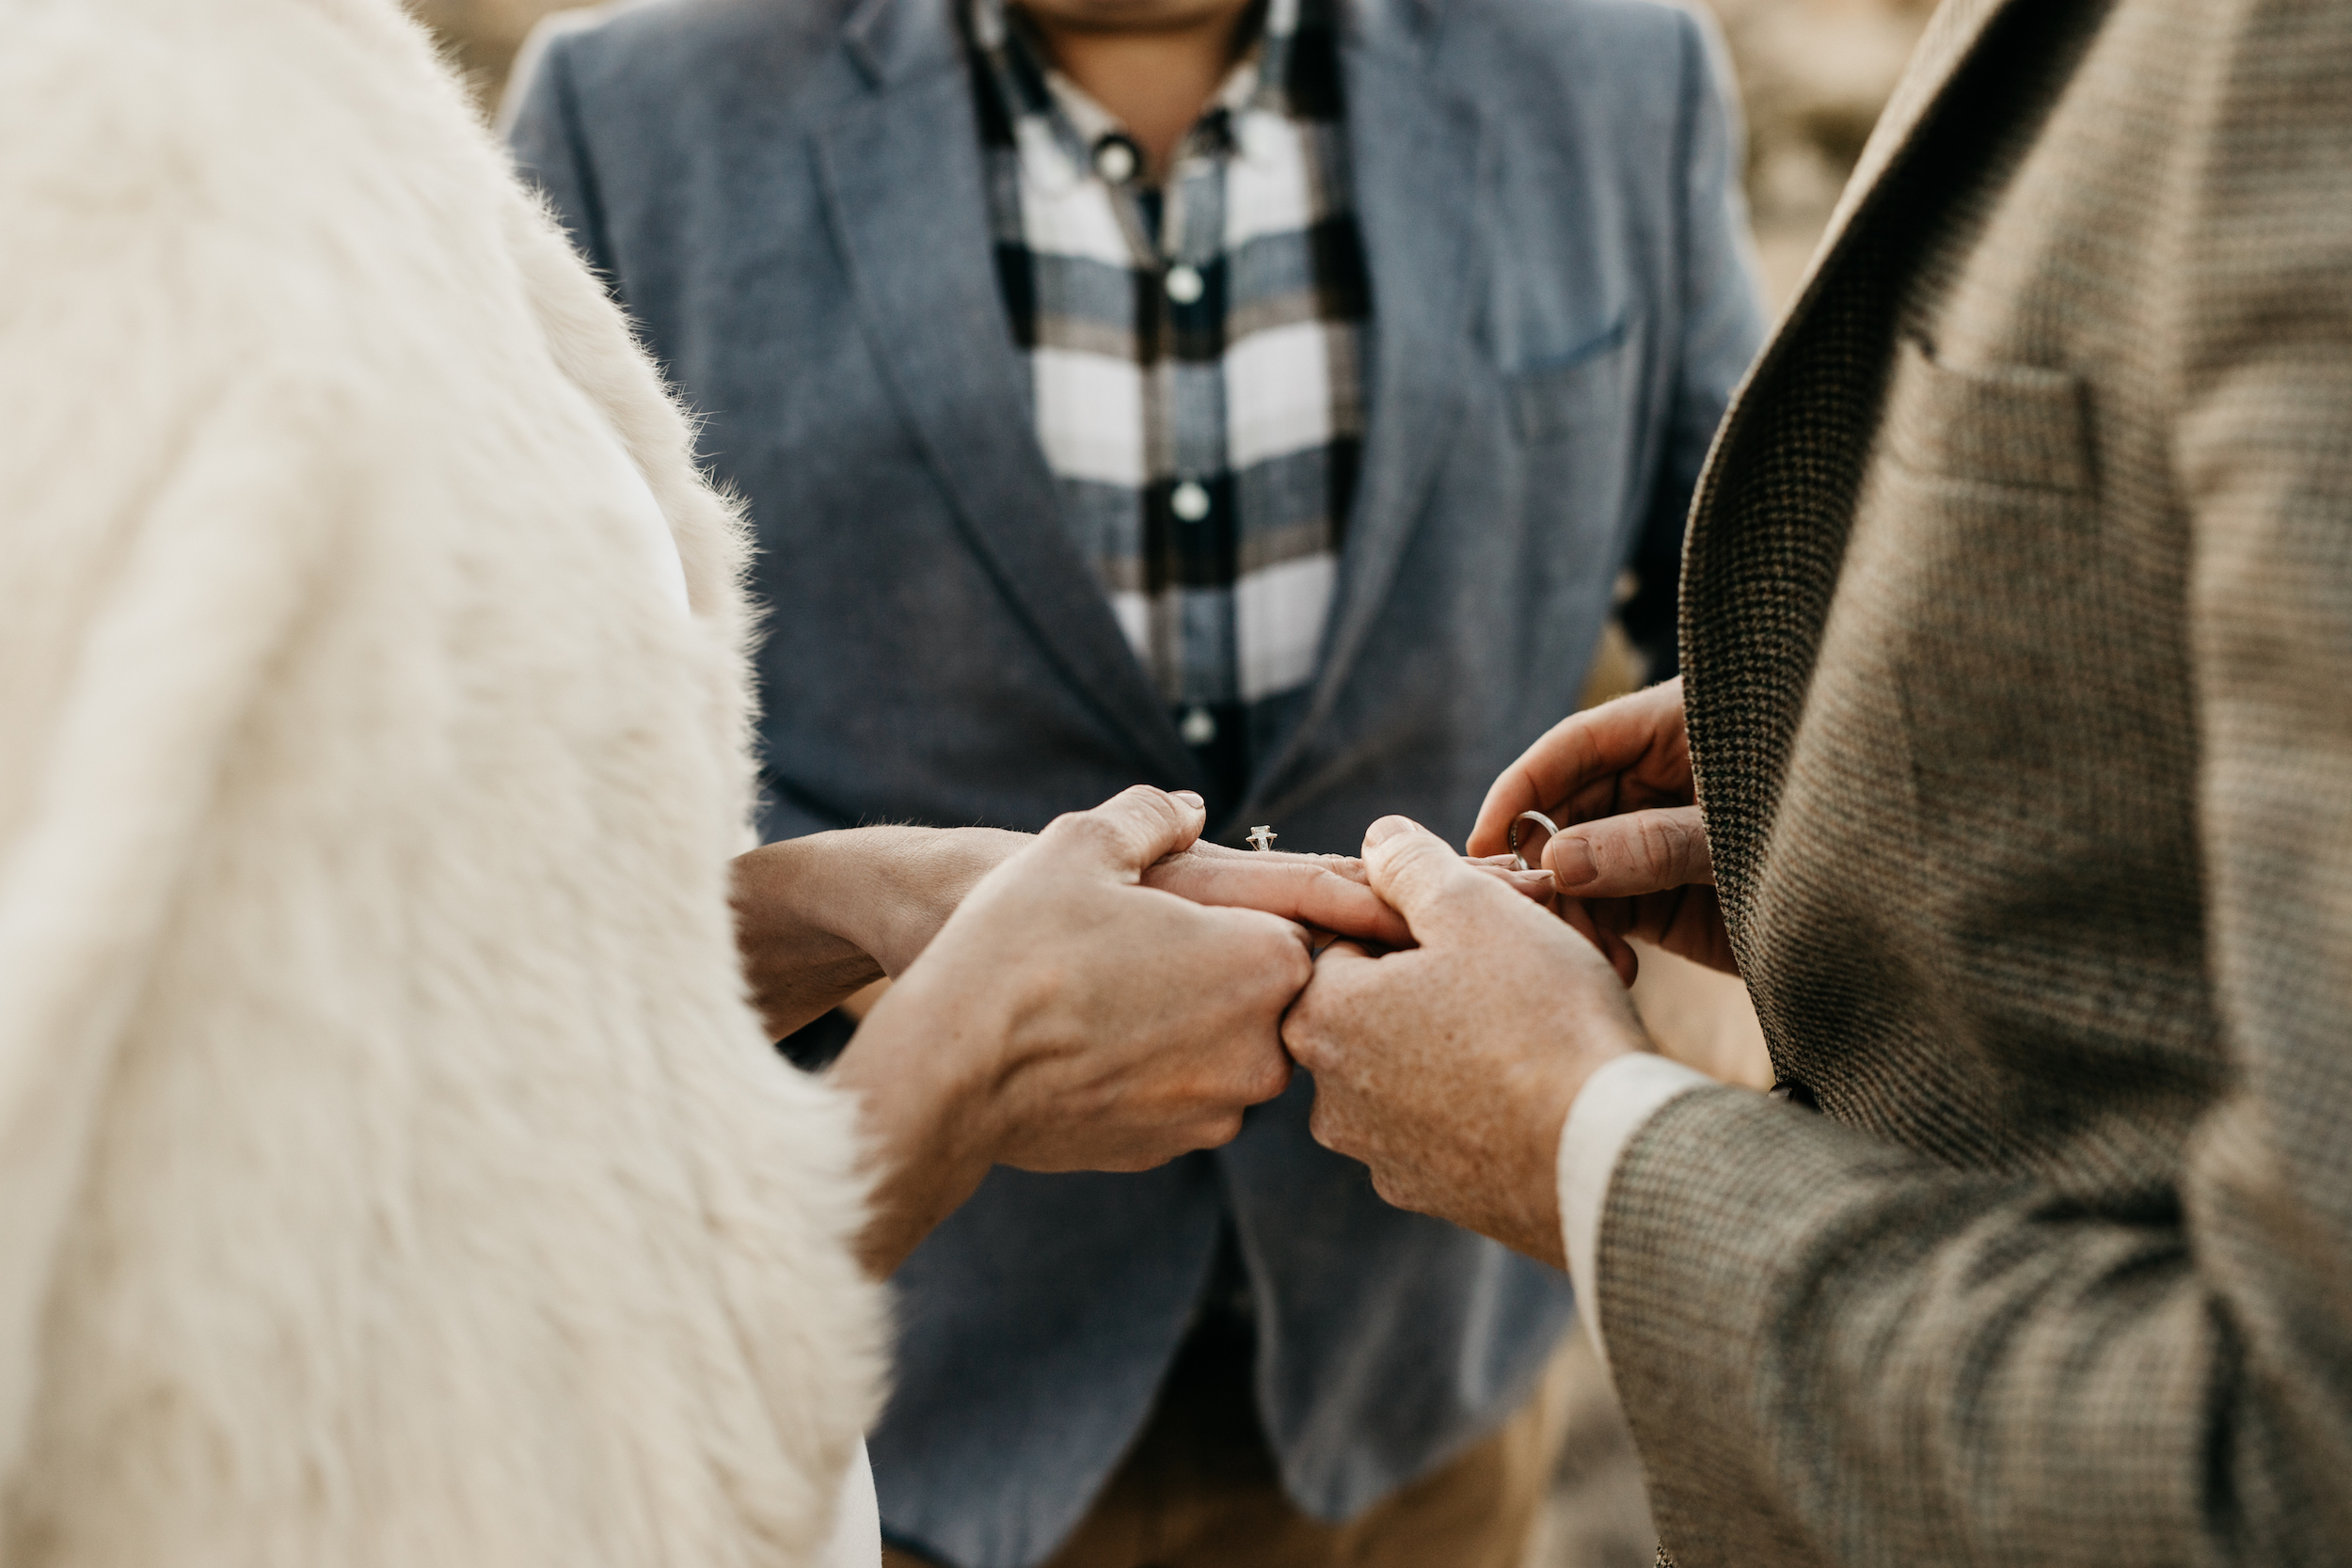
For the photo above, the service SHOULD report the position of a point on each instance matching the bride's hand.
(819, 918)
(1328, 892)
(1069, 1017)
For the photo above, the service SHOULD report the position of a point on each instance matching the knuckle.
(1092, 832)
(1659, 843)
(1301, 1038)
(1271, 1077)
(1218, 1131)
(1068, 825)
(1146, 801)
(1694, 846)
(1266, 948)
(1392, 1190)
(1674, 844)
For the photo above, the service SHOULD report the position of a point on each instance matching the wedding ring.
(1518, 861)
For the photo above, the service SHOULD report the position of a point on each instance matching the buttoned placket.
(1087, 140)
(1176, 236)
(1188, 449)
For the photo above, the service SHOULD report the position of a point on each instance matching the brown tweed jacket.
(2018, 624)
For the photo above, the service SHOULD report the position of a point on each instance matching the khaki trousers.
(1200, 1490)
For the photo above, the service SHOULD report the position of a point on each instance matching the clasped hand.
(1110, 993)
(1449, 1067)
(1105, 995)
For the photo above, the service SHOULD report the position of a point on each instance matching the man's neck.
(1157, 80)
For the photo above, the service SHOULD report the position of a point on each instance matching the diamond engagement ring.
(1261, 838)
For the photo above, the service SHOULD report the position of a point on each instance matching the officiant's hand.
(1069, 1016)
(1449, 1069)
(1631, 848)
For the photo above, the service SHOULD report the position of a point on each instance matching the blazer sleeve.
(1830, 1345)
(542, 122)
(1721, 316)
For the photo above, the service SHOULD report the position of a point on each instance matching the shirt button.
(1198, 728)
(1189, 501)
(1114, 159)
(1183, 283)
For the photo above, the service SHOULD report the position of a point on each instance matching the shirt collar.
(1057, 125)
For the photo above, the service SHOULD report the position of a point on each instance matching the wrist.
(795, 963)
(1589, 1062)
(909, 880)
(1526, 1214)
(925, 1115)
(1605, 1039)
(793, 890)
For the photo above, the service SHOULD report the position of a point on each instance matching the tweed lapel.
(1766, 540)
(902, 183)
(1418, 160)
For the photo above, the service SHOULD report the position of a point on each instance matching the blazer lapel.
(1416, 160)
(902, 179)
(1951, 38)
(1766, 544)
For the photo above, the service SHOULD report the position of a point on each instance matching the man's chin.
(1128, 16)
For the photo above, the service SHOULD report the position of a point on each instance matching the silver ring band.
(1551, 829)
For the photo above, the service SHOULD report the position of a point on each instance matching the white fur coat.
(390, 1171)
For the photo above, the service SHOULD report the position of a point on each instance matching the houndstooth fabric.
(1194, 352)
(2018, 641)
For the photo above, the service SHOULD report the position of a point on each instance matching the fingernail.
(1188, 798)
(1571, 860)
(1387, 829)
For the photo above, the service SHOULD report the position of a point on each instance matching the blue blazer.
(786, 196)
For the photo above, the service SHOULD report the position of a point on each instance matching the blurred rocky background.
(1814, 74)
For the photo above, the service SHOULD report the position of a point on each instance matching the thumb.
(1126, 834)
(1639, 852)
(1421, 876)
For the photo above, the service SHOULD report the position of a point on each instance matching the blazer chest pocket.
(1970, 548)
(2013, 425)
(1579, 391)
(1972, 577)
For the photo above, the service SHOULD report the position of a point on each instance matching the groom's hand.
(1631, 849)
(1449, 1069)
(1069, 1016)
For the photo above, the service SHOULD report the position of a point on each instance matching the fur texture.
(391, 1170)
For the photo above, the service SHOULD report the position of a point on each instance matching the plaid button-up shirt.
(1196, 351)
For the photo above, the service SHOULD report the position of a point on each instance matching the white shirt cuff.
(1614, 1104)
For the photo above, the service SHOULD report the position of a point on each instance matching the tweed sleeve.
(2264, 456)
(1857, 1355)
